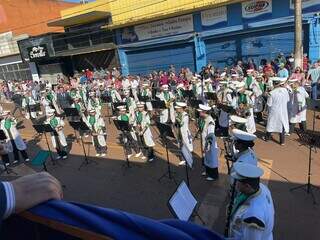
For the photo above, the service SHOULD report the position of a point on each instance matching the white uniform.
(298, 107)
(247, 156)
(226, 98)
(164, 117)
(61, 136)
(208, 128)
(145, 128)
(98, 127)
(186, 136)
(254, 219)
(278, 110)
(28, 101)
(15, 135)
(211, 156)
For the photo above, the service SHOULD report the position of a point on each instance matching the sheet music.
(182, 202)
(187, 155)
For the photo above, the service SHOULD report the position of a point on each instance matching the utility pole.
(298, 46)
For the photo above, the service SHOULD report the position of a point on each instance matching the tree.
(298, 47)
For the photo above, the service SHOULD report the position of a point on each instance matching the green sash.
(139, 117)
(7, 124)
(92, 120)
(54, 122)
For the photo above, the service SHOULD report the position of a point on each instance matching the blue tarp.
(119, 224)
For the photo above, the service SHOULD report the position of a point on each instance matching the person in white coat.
(14, 143)
(130, 103)
(252, 213)
(146, 93)
(297, 106)
(58, 138)
(142, 126)
(182, 123)
(28, 104)
(278, 110)
(208, 141)
(168, 97)
(98, 132)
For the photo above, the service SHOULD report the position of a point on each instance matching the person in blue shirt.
(283, 72)
(314, 76)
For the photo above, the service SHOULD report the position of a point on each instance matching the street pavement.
(108, 183)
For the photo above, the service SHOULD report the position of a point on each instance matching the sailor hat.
(5, 113)
(121, 108)
(245, 170)
(203, 107)
(222, 75)
(145, 85)
(292, 80)
(250, 71)
(91, 94)
(140, 104)
(92, 110)
(223, 82)
(238, 119)
(180, 105)
(51, 112)
(242, 135)
(235, 75)
(165, 87)
(180, 86)
(207, 80)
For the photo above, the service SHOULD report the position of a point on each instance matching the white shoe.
(138, 154)
(150, 159)
(59, 157)
(27, 160)
(7, 164)
(204, 174)
(210, 179)
(15, 161)
(144, 158)
(287, 134)
(182, 163)
(65, 157)
(129, 155)
(103, 155)
(98, 155)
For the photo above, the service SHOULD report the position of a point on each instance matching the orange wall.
(30, 16)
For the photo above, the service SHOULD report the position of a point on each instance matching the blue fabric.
(121, 225)
(3, 201)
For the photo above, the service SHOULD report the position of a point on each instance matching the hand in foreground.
(34, 189)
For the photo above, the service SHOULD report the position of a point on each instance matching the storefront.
(221, 36)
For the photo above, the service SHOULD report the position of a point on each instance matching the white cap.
(207, 80)
(145, 85)
(5, 113)
(140, 104)
(222, 75)
(180, 85)
(165, 87)
(181, 104)
(279, 79)
(238, 119)
(245, 170)
(223, 82)
(203, 107)
(240, 85)
(242, 135)
(91, 94)
(51, 112)
(235, 75)
(292, 80)
(250, 71)
(121, 108)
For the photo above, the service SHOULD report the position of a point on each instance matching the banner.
(214, 16)
(162, 28)
(255, 8)
(305, 3)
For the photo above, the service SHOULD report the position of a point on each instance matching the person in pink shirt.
(298, 74)
(164, 80)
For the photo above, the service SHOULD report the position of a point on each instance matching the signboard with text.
(255, 8)
(214, 16)
(162, 28)
(38, 52)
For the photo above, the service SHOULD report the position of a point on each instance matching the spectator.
(314, 77)
(283, 72)
(299, 75)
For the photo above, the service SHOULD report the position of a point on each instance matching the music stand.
(187, 93)
(158, 104)
(81, 126)
(312, 140)
(72, 112)
(2, 138)
(182, 203)
(45, 128)
(187, 156)
(195, 103)
(211, 96)
(143, 98)
(125, 128)
(166, 131)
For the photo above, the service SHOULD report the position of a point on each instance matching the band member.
(179, 95)
(130, 103)
(130, 138)
(258, 87)
(252, 213)
(51, 98)
(98, 132)
(14, 142)
(146, 93)
(94, 103)
(168, 97)
(243, 143)
(207, 85)
(142, 126)
(209, 144)
(182, 123)
(28, 104)
(115, 96)
(238, 123)
(297, 106)
(58, 138)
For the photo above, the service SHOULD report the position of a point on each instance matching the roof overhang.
(89, 17)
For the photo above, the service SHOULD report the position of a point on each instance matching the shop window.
(221, 54)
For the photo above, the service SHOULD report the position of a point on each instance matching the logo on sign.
(258, 6)
(38, 52)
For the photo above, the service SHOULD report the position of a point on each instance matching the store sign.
(38, 52)
(163, 28)
(255, 8)
(214, 16)
(305, 3)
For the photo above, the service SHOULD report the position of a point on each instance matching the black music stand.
(143, 98)
(211, 96)
(2, 138)
(195, 103)
(165, 132)
(312, 140)
(81, 126)
(187, 94)
(125, 128)
(72, 112)
(35, 107)
(45, 128)
(158, 104)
